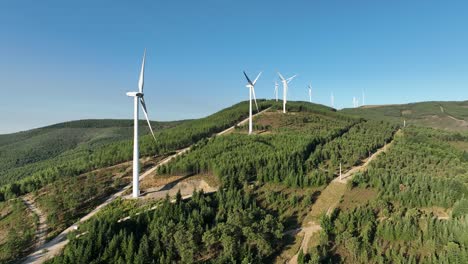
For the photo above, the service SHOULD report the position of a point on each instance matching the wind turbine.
(276, 90)
(285, 88)
(251, 86)
(138, 98)
(310, 93)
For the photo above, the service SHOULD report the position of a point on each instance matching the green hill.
(441, 115)
(25, 152)
(404, 203)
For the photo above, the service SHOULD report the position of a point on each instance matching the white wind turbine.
(276, 90)
(137, 98)
(310, 93)
(285, 89)
(251, 86)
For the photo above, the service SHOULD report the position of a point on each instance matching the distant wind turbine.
(310, 93)
(276, 90)
(138, 98)
(285, 89)
(251, 86)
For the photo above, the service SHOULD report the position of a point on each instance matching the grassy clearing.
(357, 196)
(461, 145)
(329, 198)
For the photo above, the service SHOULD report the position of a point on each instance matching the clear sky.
(68, 60)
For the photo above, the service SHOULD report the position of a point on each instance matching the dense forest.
(302, 150)
(226, 227)
(421, 173)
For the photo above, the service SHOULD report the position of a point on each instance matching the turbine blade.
(145, 111)
(256, 78)
(281, 76)
(255, 98)
(142, 74)
(247, 77)
(290, 78)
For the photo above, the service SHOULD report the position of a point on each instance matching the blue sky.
(68, 60)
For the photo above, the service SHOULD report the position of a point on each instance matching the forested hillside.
(24, 153)
(451, 116)
(236, 224)
(75, 181)
(408, 206)
(90, 155)
(420, 215)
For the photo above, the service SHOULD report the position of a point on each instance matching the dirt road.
(41, 229)
(327, 201)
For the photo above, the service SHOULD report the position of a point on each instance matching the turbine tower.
(310, 93)
(138, 98)
(251, 86)
(285, 89)
(276, 90)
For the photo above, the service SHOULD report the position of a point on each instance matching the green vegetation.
(225, 227)
(270, 157)
(409, 206)
(33, 158)
(245, 220)
(67, 199)
(17, 227)
(442, 115)
(90, 157)
(422, 170)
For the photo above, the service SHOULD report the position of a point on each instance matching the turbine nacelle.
(134, 94)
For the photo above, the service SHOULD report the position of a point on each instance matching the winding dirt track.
(327, 201)
(55, 246)
(41, 229)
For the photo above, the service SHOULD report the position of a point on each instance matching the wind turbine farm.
(224, 174)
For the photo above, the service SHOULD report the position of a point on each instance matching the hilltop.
(452, 116)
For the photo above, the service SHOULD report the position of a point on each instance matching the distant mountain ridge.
(21, 150)
(446, 115)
